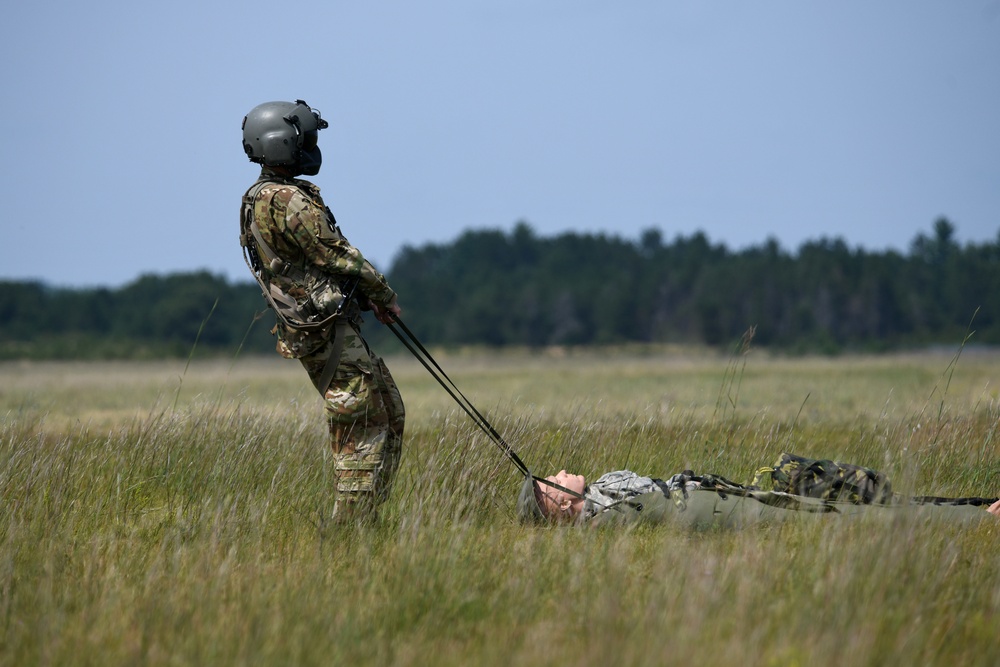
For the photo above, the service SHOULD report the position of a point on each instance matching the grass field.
(175, 514)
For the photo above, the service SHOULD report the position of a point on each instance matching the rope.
(410, 341)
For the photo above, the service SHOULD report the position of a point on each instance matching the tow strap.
(410, 341)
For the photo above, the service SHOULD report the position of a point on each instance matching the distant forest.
(497, 288)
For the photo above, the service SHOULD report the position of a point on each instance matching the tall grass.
(136, 531)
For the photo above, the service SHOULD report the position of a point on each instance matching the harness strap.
(333, 361)
(274, 262)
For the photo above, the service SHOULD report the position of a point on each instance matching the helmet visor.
(305, 119)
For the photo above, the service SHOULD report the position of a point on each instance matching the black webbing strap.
(410, 341)
(333, 361)
(428, 362)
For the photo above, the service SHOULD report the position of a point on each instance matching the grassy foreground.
(155, 514)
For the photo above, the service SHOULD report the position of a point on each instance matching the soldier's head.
(283, 135)
(539, 501)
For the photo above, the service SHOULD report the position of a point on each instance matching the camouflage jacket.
(710, 500)
(294, 222)
(626, 497)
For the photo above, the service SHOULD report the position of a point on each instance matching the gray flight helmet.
(284, 134)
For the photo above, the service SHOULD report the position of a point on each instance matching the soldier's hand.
(386, 314)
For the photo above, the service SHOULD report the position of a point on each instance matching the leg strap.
(339, 335)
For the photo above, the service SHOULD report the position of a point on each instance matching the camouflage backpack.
(828, 480)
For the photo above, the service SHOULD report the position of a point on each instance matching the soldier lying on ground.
(801, 487)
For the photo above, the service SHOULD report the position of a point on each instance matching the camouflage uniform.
(363, 405)
(801, 487)
(700, 502)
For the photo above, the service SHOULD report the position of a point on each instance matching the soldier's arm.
(306, 224)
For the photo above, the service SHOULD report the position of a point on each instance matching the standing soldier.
(316, 283)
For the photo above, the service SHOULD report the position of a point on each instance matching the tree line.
(497, 288)
(516, 288)
(152, 317)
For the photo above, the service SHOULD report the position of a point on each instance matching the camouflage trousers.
(366, 417)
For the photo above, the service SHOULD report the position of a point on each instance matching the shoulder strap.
(249, 228)
(246, 210)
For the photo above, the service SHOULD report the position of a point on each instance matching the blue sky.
(745, 120)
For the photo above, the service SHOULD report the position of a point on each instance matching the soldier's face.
(559, 504)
